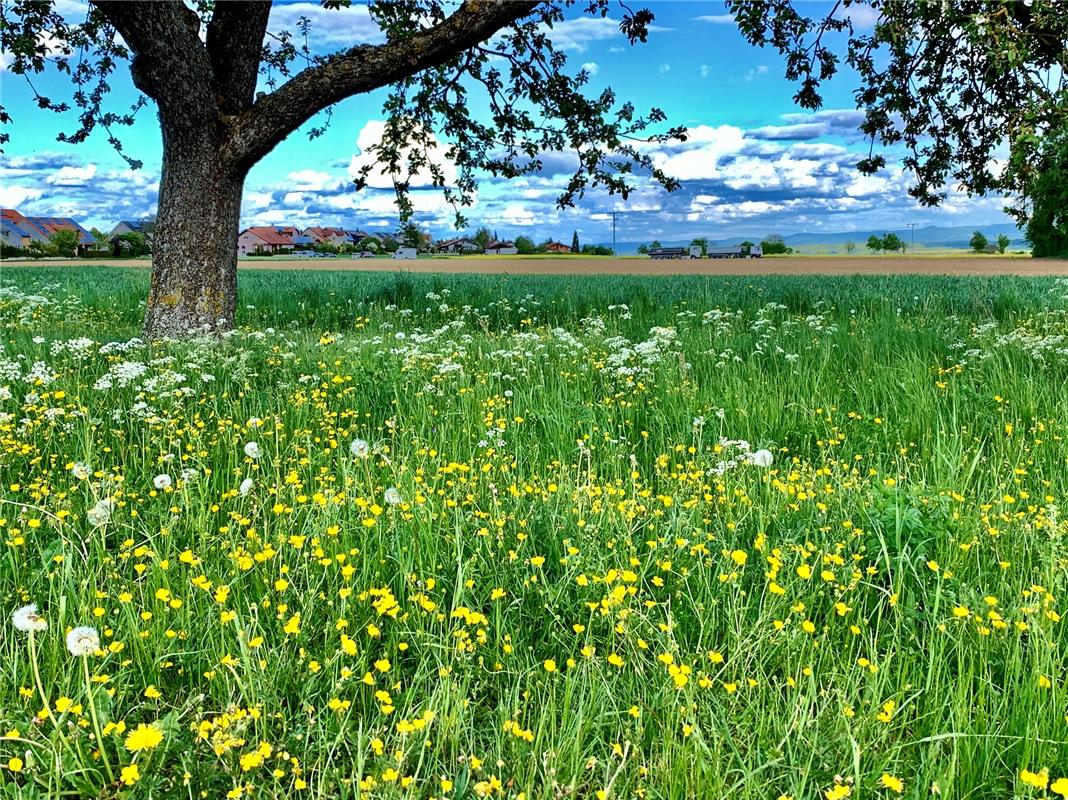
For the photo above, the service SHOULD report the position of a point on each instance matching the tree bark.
(194, 249)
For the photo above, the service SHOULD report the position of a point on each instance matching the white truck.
(406, 252)
(738, 251)
(675, 252)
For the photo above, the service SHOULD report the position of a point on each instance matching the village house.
(145, 227)
(459, 245)
(557, 247)
(334, 236)
(21, 231)
(262, 239)
(502, 247)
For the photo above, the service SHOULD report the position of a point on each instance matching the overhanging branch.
(363, 69)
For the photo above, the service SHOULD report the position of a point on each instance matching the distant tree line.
(772, 245)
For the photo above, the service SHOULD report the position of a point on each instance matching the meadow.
(540, 537)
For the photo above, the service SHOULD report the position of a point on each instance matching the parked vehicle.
(406, 252)
(365, 254)
(675, 252)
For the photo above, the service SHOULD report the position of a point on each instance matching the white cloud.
(760, 69)
(698, 157)
(704, 70)
(11, 196)
(518, 214)
(579, 33)
(665, 68)
(591, 67)
(72, 176)
(862, 16)
(371, 135)
(349, 27)
(716, 19)
(311, 180)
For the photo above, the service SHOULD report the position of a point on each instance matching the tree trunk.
(194, 247)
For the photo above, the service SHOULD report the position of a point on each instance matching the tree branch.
(235, 42)
(169, 64)
(363, 69)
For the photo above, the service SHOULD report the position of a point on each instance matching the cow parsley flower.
(162, 481)
(252, 450)
(83, 641)
(27, 619)
(360, 448)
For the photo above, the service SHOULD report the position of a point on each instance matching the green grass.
(882, 600)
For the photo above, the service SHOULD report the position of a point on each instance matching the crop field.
(461, 536)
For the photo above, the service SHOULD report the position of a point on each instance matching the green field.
(422, 536)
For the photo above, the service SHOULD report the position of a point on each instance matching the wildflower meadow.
(482, 537)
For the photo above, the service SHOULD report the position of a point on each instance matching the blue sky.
(753, 164)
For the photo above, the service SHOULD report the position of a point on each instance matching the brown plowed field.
(556, 265)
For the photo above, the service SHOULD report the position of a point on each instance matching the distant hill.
(956, 236)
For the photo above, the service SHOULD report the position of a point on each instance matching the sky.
(753, 163)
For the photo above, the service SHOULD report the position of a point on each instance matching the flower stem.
(96, 720)
(37, 680)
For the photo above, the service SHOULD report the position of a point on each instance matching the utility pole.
(614, 213)
(913, 226)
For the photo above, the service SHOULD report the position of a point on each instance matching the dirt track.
(507, 265)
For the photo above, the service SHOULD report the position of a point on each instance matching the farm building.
(501, 248)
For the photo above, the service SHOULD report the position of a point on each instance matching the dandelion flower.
(252, 450)
(100, 514)
(393, 496)
(143, 737)
(80, 470)
(162, 482)
(27, 619)
(246, 486)
(130, 775)
(83, 641)
(761, 458)
(360, 448)
(893, 783)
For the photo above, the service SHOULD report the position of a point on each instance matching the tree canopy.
(952, 83)
(229, 88)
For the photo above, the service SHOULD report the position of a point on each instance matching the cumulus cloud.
(579, 33)
(379, 178)
(11, 196)
(342, 27)
(591, 67)
(716, 19)
(72, 176)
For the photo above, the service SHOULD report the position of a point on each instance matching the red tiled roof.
(270, 235)
(11, 214)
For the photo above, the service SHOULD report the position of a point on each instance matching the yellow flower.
(893, 784)
(130, 775)
(1060, 786)
(1037, 780)
(838, 792)
(550, 665)
(14, 764)
(143, 737)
